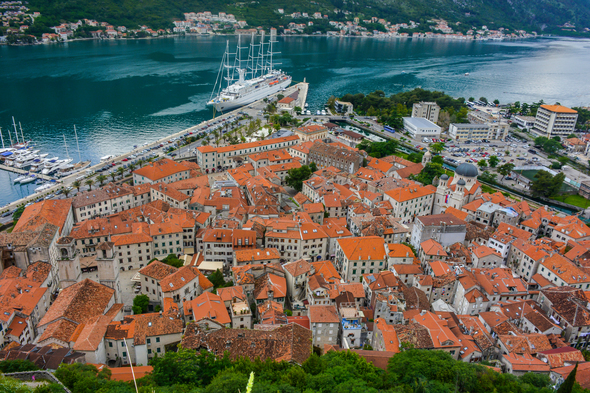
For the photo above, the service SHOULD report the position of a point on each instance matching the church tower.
(426, 158)
(68, 262)
(108, 268)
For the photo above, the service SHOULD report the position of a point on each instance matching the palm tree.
(66, 191)
(205, 142)
(131, 168)
(121, 171)
(101, 178)
(140, 162)
(113, 175)
(76, 184)
(89, 183)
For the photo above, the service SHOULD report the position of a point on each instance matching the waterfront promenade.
(67, 181)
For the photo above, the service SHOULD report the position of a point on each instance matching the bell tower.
(69, 270)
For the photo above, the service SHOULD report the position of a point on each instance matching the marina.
(54, 184)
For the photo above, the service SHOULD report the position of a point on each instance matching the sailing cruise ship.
(244, 85)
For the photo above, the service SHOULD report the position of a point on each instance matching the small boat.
(467, 74)
(20, 178)
(44, 187)
(29, 179)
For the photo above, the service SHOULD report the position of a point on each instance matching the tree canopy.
(296, 176)
(430, 171)
(379, 149)
(550, 146)
(546, 185)
(412, 370)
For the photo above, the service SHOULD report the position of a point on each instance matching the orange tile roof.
(323, 314)
(249, 145)
(441, 335)
(257, 254)
(558, 109)
(311, 208)
(565, 270)
(53, 211)
(327, 270)
(397, 250)
(363, 248)
(403, 194)
(161, 169)
(158, 270)
(182, 277)
(432, 247)
(297, 268)
(461, 215)
(310, 129)
(526, 363)
(439, 268)
(228, 293)
(208, 306)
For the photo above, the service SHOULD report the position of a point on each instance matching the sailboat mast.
(77, 143)
(227, 62)
(66, 145)
(15, 131)
(2, 137)
(21, 132)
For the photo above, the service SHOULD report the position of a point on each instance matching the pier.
(66, 181)
(24, 172)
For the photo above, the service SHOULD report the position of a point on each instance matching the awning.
(211, 266)
(7, 153)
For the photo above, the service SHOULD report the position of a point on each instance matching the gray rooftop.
(469, 125)
(420, 122)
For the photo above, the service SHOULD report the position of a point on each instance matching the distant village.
(17, 18)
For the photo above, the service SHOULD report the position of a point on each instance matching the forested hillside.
(540, 15)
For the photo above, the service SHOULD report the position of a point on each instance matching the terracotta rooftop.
(290, 343)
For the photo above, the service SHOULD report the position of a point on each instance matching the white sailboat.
(247, 84)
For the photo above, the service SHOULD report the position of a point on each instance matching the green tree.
(563, 160)
(218, 281)
(121, 171)
(11, 385)
(82, 378)
(506, 169)
(313, 167)
(113, 175)
(536, 380)
(471, 99)
(228, 381)
(493, 161)
(437, 147)
(140, 304)
(173, 260)
(483, 99)
(568, 385)
(17, 213)
(15, 366)
(101, 179)
(296, 177)
(482, 163)
(544, 184)
(77, 184)
(187, 367)
(497, 101)
(437, 160)
(66, 191)
(430, 171)
(89, 183)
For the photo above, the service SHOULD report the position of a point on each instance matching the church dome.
(467, 170)
(444, 177)
(461, 182)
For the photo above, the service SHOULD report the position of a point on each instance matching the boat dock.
(66, 181)
(24, 172)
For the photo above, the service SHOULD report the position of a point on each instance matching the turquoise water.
(123, 93)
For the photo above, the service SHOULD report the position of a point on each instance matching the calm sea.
(123, 93)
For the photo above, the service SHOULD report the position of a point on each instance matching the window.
(123, 344)
(158, 340)
(110, 344)
(149, 340)
(124, 354)
(158, 350)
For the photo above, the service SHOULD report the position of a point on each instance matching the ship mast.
(77, 143)
(2, 137)
(66, 145)
(21, 132)
(15, 131)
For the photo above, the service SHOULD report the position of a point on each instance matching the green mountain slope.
(539, 15)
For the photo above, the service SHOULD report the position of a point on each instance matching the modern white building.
(468, 131)
(554, 120)
(525, 122)
(419, 127)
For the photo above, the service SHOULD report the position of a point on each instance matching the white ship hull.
(249, 98)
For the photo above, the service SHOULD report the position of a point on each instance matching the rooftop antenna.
(77, 143)
(15, 131)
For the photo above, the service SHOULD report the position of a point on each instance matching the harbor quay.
(302, 87)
